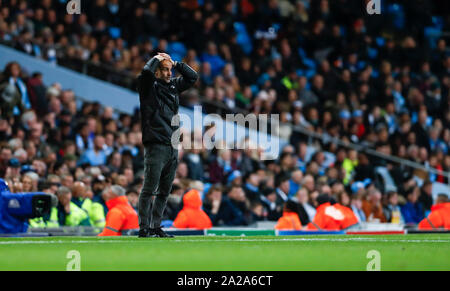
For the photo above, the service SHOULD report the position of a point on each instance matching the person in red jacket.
(439, 216)
(331, 216)
(121, 216)
(290, 219)
(192, 215)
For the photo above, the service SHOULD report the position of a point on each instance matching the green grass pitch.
(257, 253)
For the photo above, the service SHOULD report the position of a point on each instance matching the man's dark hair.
(215, 187)
(291, 206)
(267, 191)
(281, 179)
(323, 198)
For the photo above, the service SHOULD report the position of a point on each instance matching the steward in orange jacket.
(439, 216)
(121, 216)
(290, 219)
(349, 216)
(192, 216)
(331, 216)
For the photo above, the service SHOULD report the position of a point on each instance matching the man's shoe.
(147, 232)
(158, 232)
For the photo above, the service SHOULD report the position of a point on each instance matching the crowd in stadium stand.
(323, 65)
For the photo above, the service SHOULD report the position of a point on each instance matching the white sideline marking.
(229, 240)
(313, 239)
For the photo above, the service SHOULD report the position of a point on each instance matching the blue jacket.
(412, 213)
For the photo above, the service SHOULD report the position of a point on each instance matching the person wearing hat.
(235, 178)
(290, 219)
(192, 215)
(344, 119)
(358, 116)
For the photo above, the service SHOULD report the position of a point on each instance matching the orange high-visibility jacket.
(192, 216)
(121, 216)
(349, 216)
(289, 221)
(332, 217)
(438, 218)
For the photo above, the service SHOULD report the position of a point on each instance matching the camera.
(17, 208)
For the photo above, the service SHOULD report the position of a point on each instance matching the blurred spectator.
(194, 164)
(220, 210)
(82, 197)
(13, 90)
(295, 182)
(67, 212)
(425, 198)
(221, 167)
(97, 155)
(392, 210)
(251, 185)
(290, 219)
(237, 197)
(133, 198)
(372, 206)
(269, 201)
(282, 190)
(412, 211)
(305, 209)
(174, 202)
(356, 206)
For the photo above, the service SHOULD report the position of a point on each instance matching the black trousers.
(160, 164)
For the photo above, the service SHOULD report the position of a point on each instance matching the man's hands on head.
(164, 56)
(159, 57)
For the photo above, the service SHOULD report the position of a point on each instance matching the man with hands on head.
(159, 103)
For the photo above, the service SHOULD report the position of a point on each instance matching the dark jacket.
(228, 215)
(160, 101)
